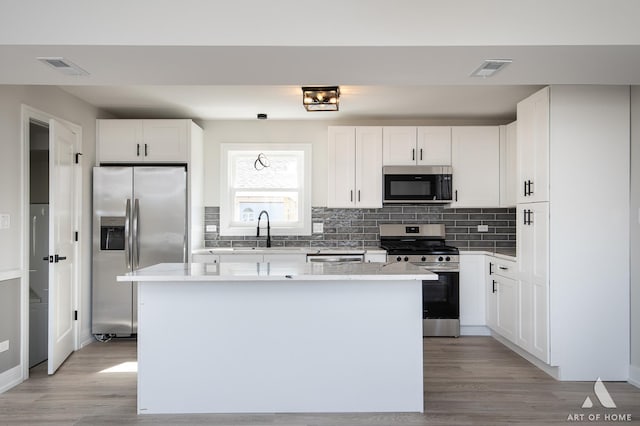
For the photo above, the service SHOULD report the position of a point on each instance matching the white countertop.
(252, 271)
(506, 254)
(287, 250)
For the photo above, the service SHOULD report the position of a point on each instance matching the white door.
(61, 244)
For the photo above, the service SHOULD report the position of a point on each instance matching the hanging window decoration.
(261, 162)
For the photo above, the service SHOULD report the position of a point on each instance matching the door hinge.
(76, 235)
(78, 154)
(75, 315)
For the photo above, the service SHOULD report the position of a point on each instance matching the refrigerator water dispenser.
(112, 233)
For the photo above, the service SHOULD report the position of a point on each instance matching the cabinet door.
(368, 176)
(285, 257)
(475, 158)
(533, 147)
(434, 146)
(506, 307)
(508, 165)
(241, 257)
(472, 290)
(119, 141)
(165, 140)
(341, 166)
(533, 282)
(490, 294)
(205, 258)
(399, 146)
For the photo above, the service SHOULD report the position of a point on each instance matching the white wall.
(634, 233)
(279, 131)
(60, 104)
(589, 228)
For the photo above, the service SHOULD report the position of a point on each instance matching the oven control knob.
(440, 259)
(424, 259)
(406, 259)
(447, 258)
(399, 259)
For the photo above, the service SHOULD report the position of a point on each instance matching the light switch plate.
(4, 346)
(5, 221)
(211, 228)
(483, 228)
(318, 228)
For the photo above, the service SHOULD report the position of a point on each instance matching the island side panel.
(290, 346)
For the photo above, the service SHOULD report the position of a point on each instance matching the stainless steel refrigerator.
(139, 219)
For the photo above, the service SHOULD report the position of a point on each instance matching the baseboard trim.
(10, 378)
(634, 376)
(474, 330)
(551, 371)
(86, 340)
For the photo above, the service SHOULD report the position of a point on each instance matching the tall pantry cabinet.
(573, 230)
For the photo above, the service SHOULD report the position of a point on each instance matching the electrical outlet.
(4, 346)
(483, 228)
(318, 228)
(211, 228)
(5, 221)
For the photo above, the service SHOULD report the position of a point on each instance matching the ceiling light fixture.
(325, 98)
(490, 66)
(63, 65)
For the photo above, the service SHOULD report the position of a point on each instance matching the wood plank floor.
(468, 381)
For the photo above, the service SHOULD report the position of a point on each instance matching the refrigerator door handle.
(33, 234)
(136, 236)
(127, 234)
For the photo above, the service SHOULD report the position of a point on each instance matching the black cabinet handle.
(490, 268)
(524, 191)
(503, 268)
(413, 154)
(456, 195)
(493, 290)
(358, 195)
(46, 258)
(59, 258)
(145, 150)
(529, 190)
(137, 150)
(351, 198)
(420, 154)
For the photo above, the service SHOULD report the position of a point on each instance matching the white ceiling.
(403, 59)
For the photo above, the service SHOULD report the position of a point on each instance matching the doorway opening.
(38, 241)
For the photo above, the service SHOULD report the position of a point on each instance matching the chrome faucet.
(268, 227)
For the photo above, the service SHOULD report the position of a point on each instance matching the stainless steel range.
(424, 244)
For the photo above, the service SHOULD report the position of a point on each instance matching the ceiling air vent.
(490, 66)
(63, 65)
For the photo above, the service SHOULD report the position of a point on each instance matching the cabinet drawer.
(502, 268)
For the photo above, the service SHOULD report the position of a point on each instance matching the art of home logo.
(605, 400)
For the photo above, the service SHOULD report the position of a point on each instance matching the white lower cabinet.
(472, 293)
(533, 281)
(205, 258)
(502, 297)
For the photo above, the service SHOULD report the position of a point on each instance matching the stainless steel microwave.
(417, 184)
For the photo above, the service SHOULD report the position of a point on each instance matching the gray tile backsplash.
(358, 228)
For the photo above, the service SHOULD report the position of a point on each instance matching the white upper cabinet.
(475, 158)
(533, 148)
(410, 146)
(399, 146)
(434, 146)
(354, 167)
(508, 165)
(134, 141)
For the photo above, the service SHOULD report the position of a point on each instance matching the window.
(283, 188)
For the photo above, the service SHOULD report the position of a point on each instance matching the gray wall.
(9, 327)
(634, 230)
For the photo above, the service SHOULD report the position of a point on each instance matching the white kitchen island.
(266, 338)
